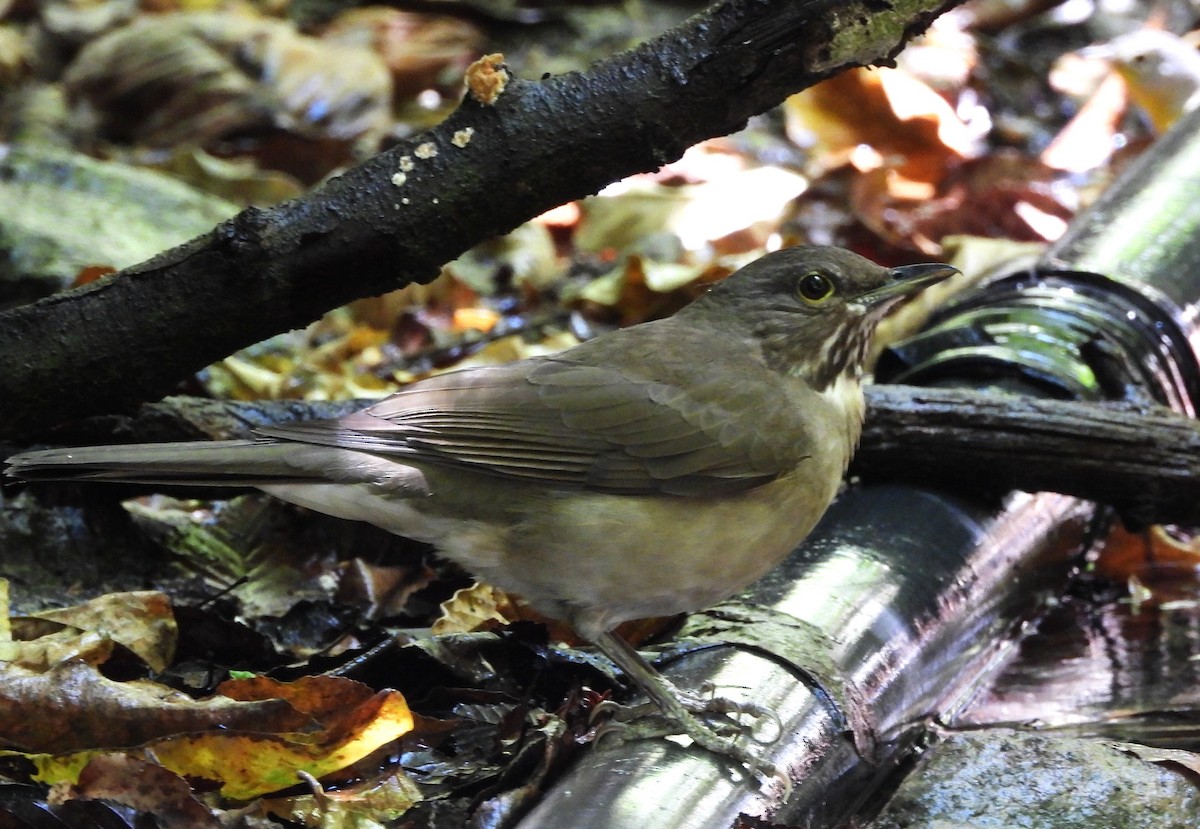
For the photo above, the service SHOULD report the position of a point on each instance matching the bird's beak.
(908, 279)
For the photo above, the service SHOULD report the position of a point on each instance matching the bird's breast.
(607, 558)
(844, 397)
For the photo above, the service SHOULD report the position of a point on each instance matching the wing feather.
(616, 420)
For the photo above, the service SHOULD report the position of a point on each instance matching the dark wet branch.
(1145, 461)
(124, 340)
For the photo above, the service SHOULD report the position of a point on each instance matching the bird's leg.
(677, 710)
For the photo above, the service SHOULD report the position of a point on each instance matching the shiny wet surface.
(1119, 660)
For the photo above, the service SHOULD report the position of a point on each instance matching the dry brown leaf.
(381, 591)
(478, 607)
(321, 697)
(140, 785)
(527, 256)
(1168, 757)
(48, 647)
(196, 76)
(251, 757)
(483, 607)
(368, 804)
(423, 51)
(1002, 195)
(140, 621)
(1124, 554)
(916, 162)
(240, 180)
(639, 289)
(73, 706)
(621, 219)
(908, 126)
(710, 200)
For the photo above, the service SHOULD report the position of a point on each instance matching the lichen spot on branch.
(487, 77)
(863, 34)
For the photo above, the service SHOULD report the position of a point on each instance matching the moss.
(861, 31)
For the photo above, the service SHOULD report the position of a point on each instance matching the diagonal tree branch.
(130, 338)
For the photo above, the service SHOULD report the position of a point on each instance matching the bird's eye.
(815, 287)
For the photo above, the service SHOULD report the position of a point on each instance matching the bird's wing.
(631, 426)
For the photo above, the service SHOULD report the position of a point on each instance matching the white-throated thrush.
(651, 471)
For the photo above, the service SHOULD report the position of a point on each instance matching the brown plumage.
(653, 470)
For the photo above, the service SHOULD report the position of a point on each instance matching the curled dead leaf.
(194, 77)
(140, 621)
(422, 51)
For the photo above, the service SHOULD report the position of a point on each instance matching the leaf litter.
(233, 695)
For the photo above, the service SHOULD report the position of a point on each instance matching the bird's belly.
(610, 558)
(599, 559)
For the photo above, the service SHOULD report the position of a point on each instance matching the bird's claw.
(717, 710)
(712, 713)
(707, 724)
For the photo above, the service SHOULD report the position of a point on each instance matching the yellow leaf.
(248, 765)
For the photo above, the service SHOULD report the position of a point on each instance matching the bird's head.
(813, 309)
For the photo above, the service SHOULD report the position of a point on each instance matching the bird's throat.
(838, 359)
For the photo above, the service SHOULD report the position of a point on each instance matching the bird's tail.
(203, 463)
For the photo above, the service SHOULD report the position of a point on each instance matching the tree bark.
(1143, 460)
(131, 337)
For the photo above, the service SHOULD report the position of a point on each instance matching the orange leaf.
(888, 110)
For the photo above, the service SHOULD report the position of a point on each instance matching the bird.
(650, 471)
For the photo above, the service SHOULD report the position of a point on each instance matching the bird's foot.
(709, 711)
(705, 720)
(748, 717)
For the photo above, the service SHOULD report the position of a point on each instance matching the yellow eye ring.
(814, 287)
